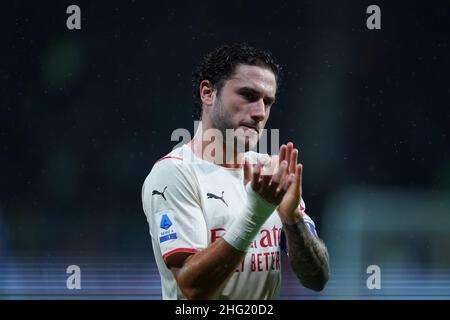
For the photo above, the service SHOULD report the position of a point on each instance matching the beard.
(231, 132)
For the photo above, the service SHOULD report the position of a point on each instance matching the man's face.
(244, 103)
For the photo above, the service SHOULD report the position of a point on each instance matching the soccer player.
(219, 220)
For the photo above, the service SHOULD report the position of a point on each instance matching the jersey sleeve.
(173, 210)
(307, 219)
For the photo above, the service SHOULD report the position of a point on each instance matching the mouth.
(250, 127)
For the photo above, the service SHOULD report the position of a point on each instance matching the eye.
(249, 96)
(268, 102)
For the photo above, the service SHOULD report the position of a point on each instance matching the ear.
(207, 93)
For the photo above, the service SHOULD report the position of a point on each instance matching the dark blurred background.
(84, 114)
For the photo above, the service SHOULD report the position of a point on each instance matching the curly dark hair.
(220, 64)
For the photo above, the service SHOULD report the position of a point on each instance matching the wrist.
(245, 227)
(290, 218)
(257, 205)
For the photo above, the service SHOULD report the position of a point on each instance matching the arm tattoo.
(308, 256)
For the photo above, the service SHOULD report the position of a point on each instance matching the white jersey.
(189, 204)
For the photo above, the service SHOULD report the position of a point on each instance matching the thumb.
(247, 172)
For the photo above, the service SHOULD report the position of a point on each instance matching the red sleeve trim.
(168, 157)
(189, 250)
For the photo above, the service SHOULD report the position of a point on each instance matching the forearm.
(308, 256)
(204, 272)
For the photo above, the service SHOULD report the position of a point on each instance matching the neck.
(214, 150)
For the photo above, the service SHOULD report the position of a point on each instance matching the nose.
(258, 110)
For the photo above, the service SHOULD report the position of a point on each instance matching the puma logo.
(160, 193)
(213, 196)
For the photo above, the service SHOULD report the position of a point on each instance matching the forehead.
(258, 78)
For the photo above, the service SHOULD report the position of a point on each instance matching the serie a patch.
(166, 228)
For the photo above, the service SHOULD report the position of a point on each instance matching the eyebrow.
(269, 100)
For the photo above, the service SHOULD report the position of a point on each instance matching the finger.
(282, 176)
(255, 176)
(288, 182)
(247, 172)
(289, 148)
(293, 162)
(299, 177)
(271, 166)
(282, 153)
(268, 165)
(284, 186)
(265, 180)
(263, 158)
(278, 177)
(296, 184)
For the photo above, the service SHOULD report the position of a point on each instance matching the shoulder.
(176, 161)
(174, 173)
(178, 166)
(172, 169)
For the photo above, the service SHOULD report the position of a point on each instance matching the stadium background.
(85, 114)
